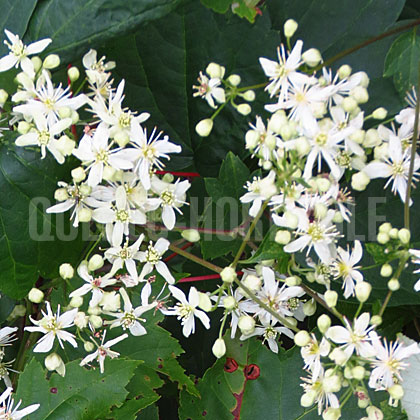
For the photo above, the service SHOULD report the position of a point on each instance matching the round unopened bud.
(61, 194)
(309, 307)
(191, 235)
(320, 210)
(331, 297)
(246, 324)
(323, 322)
(308, 398)
(85, 189)
(54, 362)
(89, 346)
(385, 227)
(74, 117)
(73, 73)
(228, 274)
(51, 61)
(122, 138)
(290, 27)
(302, 338)
(344, 71)
(393, 233)
(66, 271)
(111, 302)
(249, 95)
(376, 320)
(323, 184)
(251, 139)
(364, 82)
(85, 215)
(64, 112)
(65, 145)
(359, 181)
(360, 94)
(35, 295)
(372, 138)
(78, 174)
(283, 237)
(109, 173)
(204, 302)
(338, 217)
(404, 236)
(204, 127)
(168, 178)
(302, 146)
(349, 104)
(234, 79)
(229, 302)
(276, 122)
(374, 413)
(3, 97)
(358, 136)
(396, 391)
(382, 238)
(23, 127)
(252, 282)
(81, 320)
(292, 220)
(386, 270)
(95, 262)
(244, 109)
(292, 281)
(393, 285)
(219, 348)
(358, 372)
(76, 301)
(331, 383)
(95, 321)
(312, 57)
(94, 310)
(215, 71)
(379, 113)
(331, 413)
(363, 289)
(338, 357)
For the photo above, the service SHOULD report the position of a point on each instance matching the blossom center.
(167, 197)
(316, 232)
(43, 137)
(124, 120)
(122, 215)
(128, 320)
(184, 310)
(321, 139)
(152, 256)
(102, 156)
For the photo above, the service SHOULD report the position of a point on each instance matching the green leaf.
(392, 413)
(83, 394)
(78, 25)
(402, 62)
(32, 243)
(245, 9)
(219, 6)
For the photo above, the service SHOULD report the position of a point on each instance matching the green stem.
(359, 309)
(412, 158)
(218, 111)
(196, 259)
(258, 86)
(80, 87)
(94, 246)
(306, 412)
(223, 325)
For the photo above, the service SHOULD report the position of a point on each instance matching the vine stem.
(196, 259)
(412, 157)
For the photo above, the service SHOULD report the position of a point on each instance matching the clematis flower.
(7, 335)
(7, 411)
(210, 90)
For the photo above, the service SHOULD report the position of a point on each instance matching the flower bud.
(385, 227)
(76, 301)
(374, 413)
(338, 357)
(110, 301)
(404, 236)
(382, 238)
(292, 281)
(74, 117)
(331, 297)
(244, 109)
(359, 181)
(229, 302)
(204, 127)
(168, 178)
(95, 262)
(122, 138)
(312, 57)
(251, 139)
(89, 346)
(283, 237)
(320, 210)
(344, 71)
(379, 113)
(363, 289)
(204, 302)
(85, 215)
(228, 274)
(37, 63)
(349, 104)
(65, 145)
(35, 295)
(252, 282)
(338, 217)
(85, 189)
(308, 398)
(51, 61)
(331, 383)
(81, 320)
(109, 173)
(396, 391)
(358, 372)
(66, 271)
(61, 194)
(3, 97)
(393, 285)
(289, 28)
(54, 362)
(360, 94)
(215, 71)
(324, 322)
(331, 413)
(309, 307)
(78, 174)
(372, 138)
(246, 324)
(234, 79)
(386, 270)
(191, 235)
(292, 220)
(323, 184)
(393, 233)
(376, 320)
(249, 95)
(23, 127)
(302, 338)
(73, 73)
(94, 310)
(276, 122)
(219, 348)
(302, 146)
(364, 82)
(95, 321)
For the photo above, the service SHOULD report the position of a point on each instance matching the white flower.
(19, 53)
(103, 351)
(209, 90)
(344, 266)
(96, 69)
(52, 325)
(44, 136)
(130, 317)
(7, 335)
(93, 285)
(387, 361)
(153, 257)
(416, 260)
(7, 411)
(150, 151)
(95, 153)
(171, 197)
(396, 167)
(186, 310)
(312, 353)
(353, 338)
